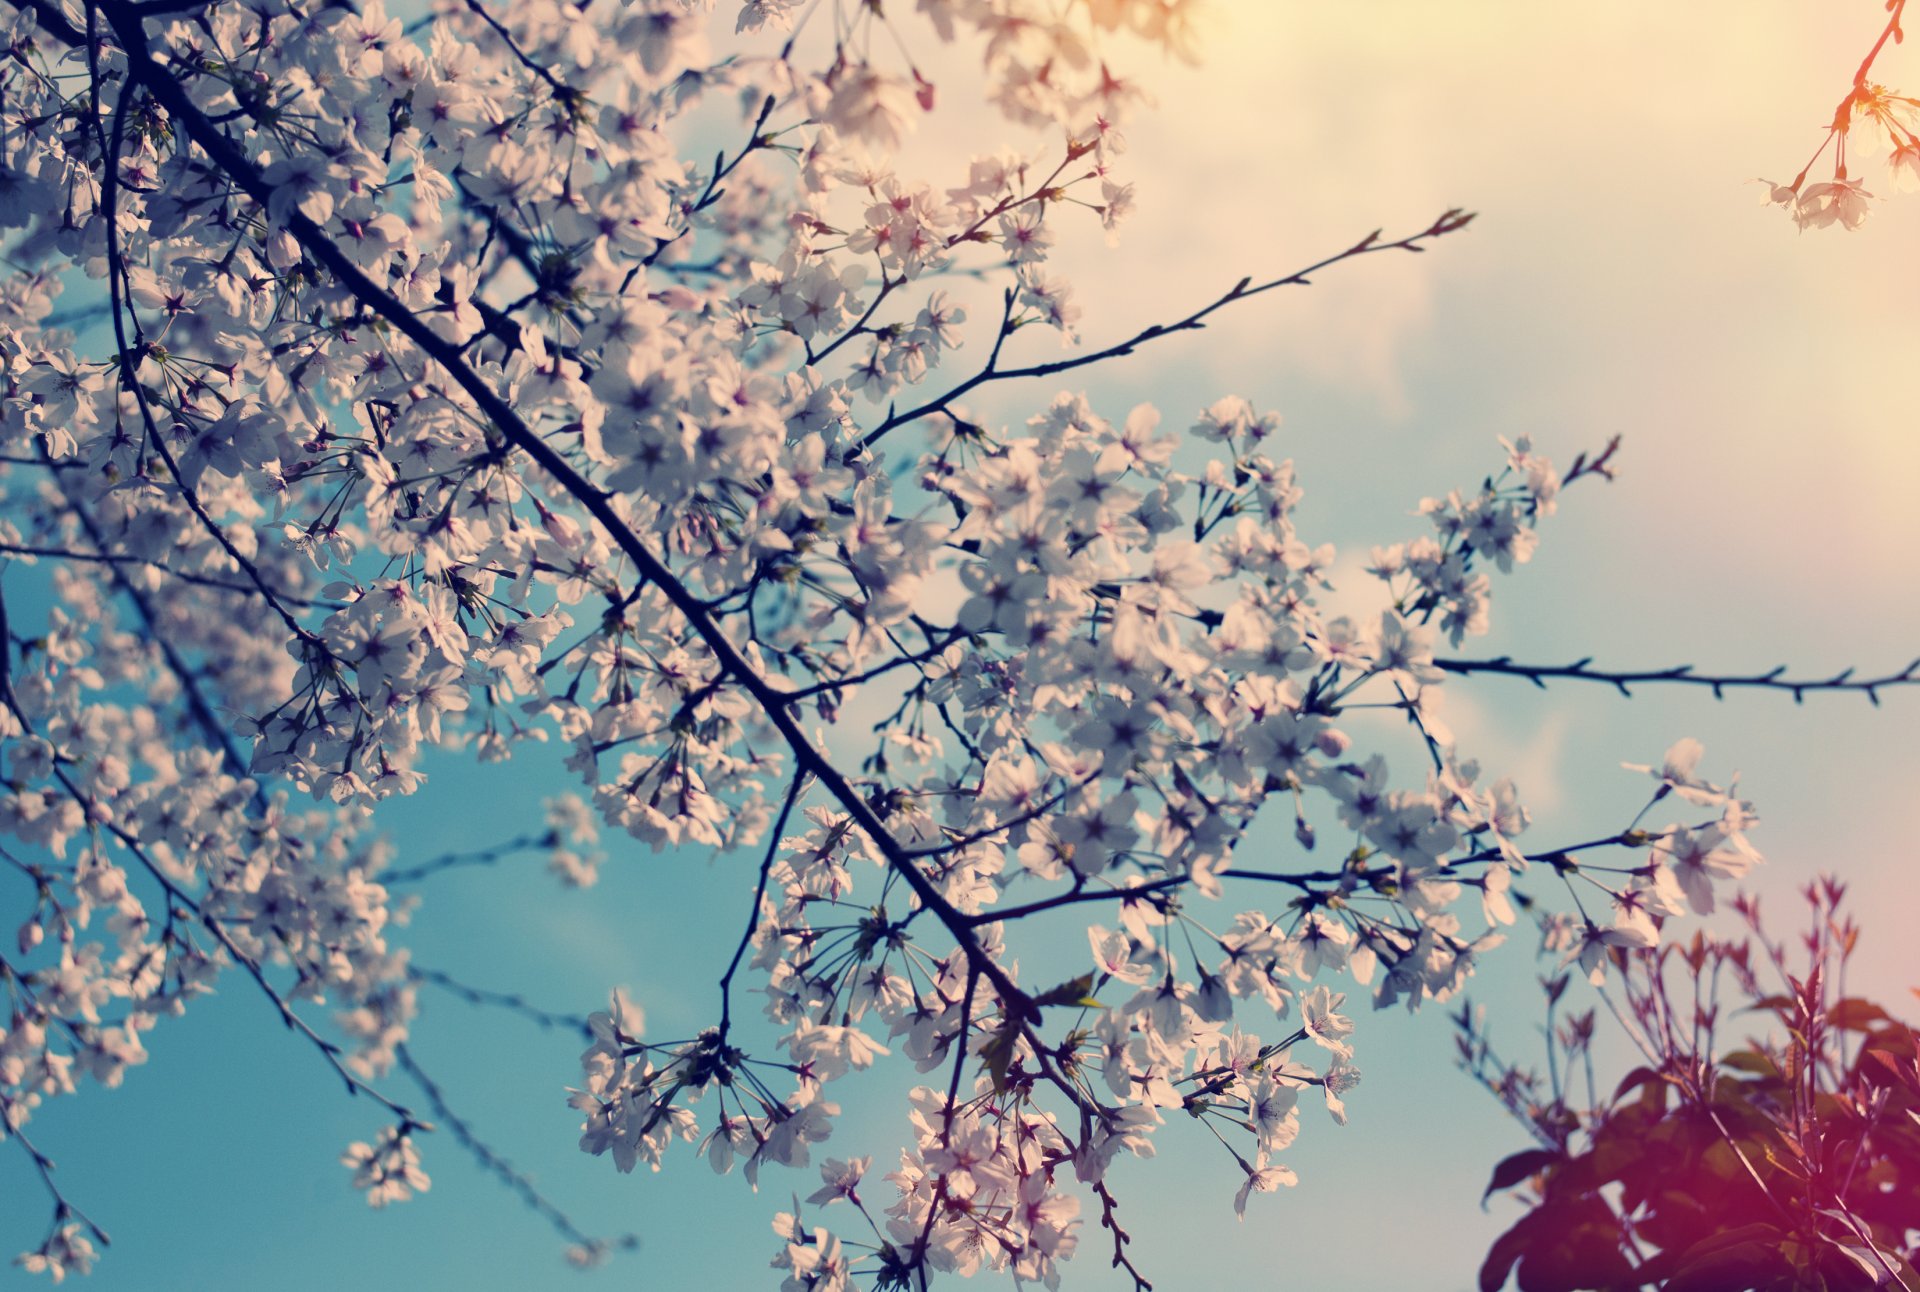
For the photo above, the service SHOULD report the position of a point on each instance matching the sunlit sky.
(1621, 278)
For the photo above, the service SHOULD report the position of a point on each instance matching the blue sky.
(1621, 279)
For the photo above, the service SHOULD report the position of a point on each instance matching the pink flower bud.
(1332, 743)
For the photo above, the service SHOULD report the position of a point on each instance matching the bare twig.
(500, 1168)
(1450, 222)
(1582, 670)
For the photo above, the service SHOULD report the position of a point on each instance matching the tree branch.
(227, 156)
(1451, 221)
(1772, 680)
(503, 1170)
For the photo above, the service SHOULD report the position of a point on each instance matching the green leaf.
(1506, 1250)
(1074, 991)
(997, 1054)
(1633, 1081)
(1738, 1258)
(1750, 1061)
(1521, 1166)
(1584, 1252)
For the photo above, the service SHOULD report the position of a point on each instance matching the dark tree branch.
(1450, 222)
(753, 915)
(500, 1168)
(512, 1002)
(1772, 680)
(478, 857)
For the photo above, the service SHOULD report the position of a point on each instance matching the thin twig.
(1581, 670)
(1450, 222)
(499, 1167)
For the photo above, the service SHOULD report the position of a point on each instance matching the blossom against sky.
(1621, 278)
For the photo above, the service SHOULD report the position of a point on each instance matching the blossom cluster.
(445, 398)
(1870, 116)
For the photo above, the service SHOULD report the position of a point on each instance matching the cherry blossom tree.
(436, 385)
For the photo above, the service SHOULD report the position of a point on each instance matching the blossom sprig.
(1868, 115)
(71, 1234)
(388, 1169)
